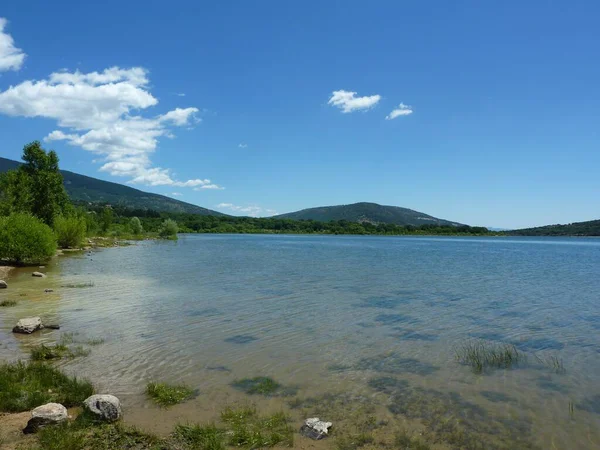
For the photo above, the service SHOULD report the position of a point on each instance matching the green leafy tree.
(37, 186)
(106, 219)
(25, 239)
(70, 231)
(168, 229)
(136, 226)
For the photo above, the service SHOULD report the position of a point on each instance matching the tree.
(37, 186)
(136, 226)
(106, 218)
(168, 229)
(25, 239)
(70, 231)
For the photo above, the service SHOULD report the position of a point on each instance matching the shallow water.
(375, 318)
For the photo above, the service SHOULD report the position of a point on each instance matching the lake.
(344, 322)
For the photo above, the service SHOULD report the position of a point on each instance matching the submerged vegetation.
(7, 303)
(482, 355)
(25, 386)
(263, 386)
(43, 352)
(166, 395)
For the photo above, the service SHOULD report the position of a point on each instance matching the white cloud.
(402, 110)
(180, 94)
(11, 57)
(209, 186)
(348, 102)
(99, 112)
(176, 194)
(252, 210)
(243, 145)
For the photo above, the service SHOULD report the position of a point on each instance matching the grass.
(353, 441)
(206, 437)
(7, 303)
(246, 429)
(553, 362)
(167, 395)
(481, 355)
(404, 441)
(44, 352)
(25, 386)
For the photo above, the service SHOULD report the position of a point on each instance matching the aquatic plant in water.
(167, 395)
(5, 303)
(482, 355)
(263, 386)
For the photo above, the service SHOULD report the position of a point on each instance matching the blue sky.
(247, 107)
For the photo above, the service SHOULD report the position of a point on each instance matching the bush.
(70, 231)
(168, 229)
(25, 239)
(136, 226)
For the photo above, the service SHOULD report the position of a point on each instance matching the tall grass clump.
(6, 303)
(70, 231)
(25, 386)
(481, 355)
(24, 239)
(168, 229)
(167, 395)
(247, 429)
(205, 437)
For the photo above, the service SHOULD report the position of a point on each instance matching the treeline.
(590, 228)
(37, 216)
(194, 223)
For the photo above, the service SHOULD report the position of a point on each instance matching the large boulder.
(48, 414)
(106, 407)
(28, 325)
(38, 274)
(3, 284)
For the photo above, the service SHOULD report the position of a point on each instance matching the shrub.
(25, 239)
(70, 231)
(136, 226)
(168, 229)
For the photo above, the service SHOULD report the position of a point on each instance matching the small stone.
(38, 274)
(53, 327)
(315, 429)
(106, 407)
(48, 290)
(28, 325)
(3, 284)
(48, 414)
(42, 267)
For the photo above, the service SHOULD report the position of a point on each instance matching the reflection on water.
(362, 319)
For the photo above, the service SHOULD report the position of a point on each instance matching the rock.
(38, 274)
(52, 327)
(48, 414)
(28, 325)
(106, 407)
(42, 267)
(315, 428)
(3, 284)
(48, 290)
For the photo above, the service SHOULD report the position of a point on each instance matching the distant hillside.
(367, 212)
(589, 228)
(93, 190)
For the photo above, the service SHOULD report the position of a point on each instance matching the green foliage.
(70, 231)
(25, 386)
(204, 437)
(482, 355)
(246, 429)
(589, 228)
(37, 186)
(106, 218)
(25, 239)
(257, 385)
(168, 229)
(6, 303)
(136, 226)
(167, 395)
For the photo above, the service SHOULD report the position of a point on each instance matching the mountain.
(93, 190)
(589, 228)
(367, 212)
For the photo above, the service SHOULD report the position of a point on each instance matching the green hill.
(589, 228)
(93, 190)
(367, 212)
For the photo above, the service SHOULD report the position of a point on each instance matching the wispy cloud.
(243, 145)
(209, 185)
(176, 194)
(401, 110)
(11, 57)
(97, 111)
(348, 101)
(251, 210)
(180, 94)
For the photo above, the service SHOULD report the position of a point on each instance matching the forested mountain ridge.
(588, 228)
(82, 188)
(367, 212)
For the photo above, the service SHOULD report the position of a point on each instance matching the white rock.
(316, 424)
(3, 284)
(106, 407)
(48, 414)
(38, 274)
(28, 325)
